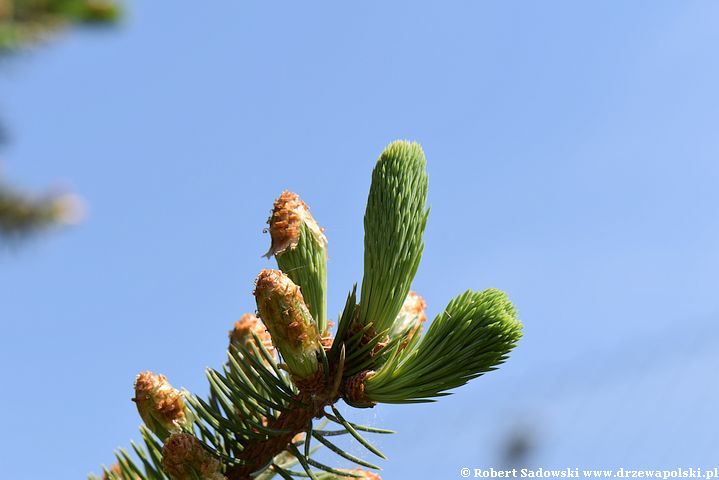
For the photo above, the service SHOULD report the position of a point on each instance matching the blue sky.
(572, 154)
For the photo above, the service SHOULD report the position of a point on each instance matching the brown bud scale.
(183, 455)
(241, 334)
(153, 393)
(286, 220)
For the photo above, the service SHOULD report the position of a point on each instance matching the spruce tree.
(275, 400)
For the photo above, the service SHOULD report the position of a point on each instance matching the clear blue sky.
(573, 157)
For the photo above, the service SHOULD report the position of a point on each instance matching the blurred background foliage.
(24, 22)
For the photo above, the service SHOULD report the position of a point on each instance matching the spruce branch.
(472, 336)
(293, 330)
(300, 248)
(285, 372)
(249, 330)
(185, 458)
(394, 224)
(410, 319)
(161, 407)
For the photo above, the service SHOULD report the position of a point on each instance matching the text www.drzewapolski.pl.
(711, 473)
